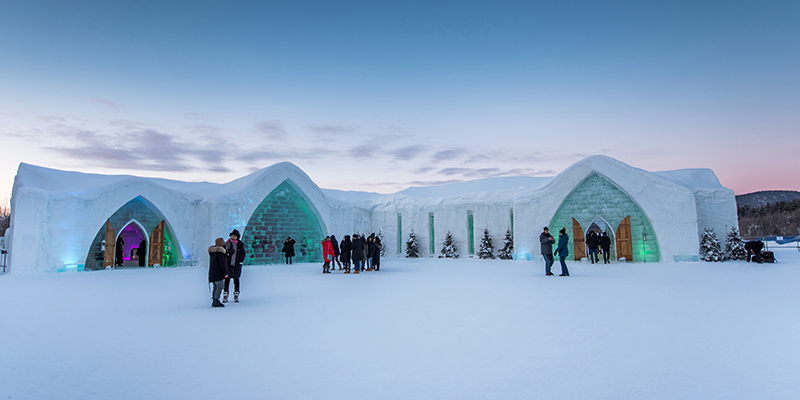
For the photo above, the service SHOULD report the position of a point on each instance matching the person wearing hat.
(562, 251)
(217, 270)
(234, 253)
(546, 241)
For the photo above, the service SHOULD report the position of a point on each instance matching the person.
(370, 252)
(217, 270)
(234, 253)
(288, 249)
(344, 253)
(376, 254)
(327, 254)
(335, 244)
(753, 248)
(605, 244)
(118, 257)
(546, 241)
(562, 251)
(141, 252)
(591, 243)
(357, 253)
(365, 246)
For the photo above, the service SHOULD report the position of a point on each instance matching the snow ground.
(431, 329)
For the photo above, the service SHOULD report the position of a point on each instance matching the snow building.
(64, 220)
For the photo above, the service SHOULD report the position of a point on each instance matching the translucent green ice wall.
(146, 214)
(595, 197)
(283, 213)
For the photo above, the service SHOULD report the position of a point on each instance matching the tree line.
(5, 219)
(781, 218)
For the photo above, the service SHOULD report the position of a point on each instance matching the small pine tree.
(449, 249)
(710, 249)
(412, 246)
(383, 245)
(507, 252)
(486, 250)
(734, 245)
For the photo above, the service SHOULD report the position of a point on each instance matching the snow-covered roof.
(53, 180)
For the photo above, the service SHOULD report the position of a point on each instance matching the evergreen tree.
(486, 250)
(449, 249)
(412, 246)
(710, 250)
(507, 252)
(734, 245)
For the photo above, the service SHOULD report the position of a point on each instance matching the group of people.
(364, 252)
(225, 263)
(227, 257)
(597, 242)
(593, 241)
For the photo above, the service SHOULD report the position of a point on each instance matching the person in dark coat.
(365, 253)
(376, 254)
(546, 240)
(288, 249)
(370, 252)
(344, 253)
(336, 253)
(141, 252)
(234, 253)
(605, 244)
(591, 242)
(217, 270)
(357, 253)
(118, 257)
(753, 248)
(562, 251)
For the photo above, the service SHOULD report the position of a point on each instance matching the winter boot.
(356, 271)
(235, 297)
(217, 304)
(224, 297)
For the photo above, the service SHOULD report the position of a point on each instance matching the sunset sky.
(379, 96)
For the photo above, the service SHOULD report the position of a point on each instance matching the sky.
(380, 96)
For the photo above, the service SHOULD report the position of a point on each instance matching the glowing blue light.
(521, 256)
(71, 268)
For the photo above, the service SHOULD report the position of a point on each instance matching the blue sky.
(373, 96)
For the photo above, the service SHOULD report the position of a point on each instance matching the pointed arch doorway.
(137, 220)
(134, 246)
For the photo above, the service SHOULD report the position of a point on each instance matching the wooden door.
(111, 241)
(624, 242)
(156, 245)
(579, 246)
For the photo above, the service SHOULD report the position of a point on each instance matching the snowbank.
(427, 328)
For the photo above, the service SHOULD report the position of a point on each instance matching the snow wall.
(58, 216)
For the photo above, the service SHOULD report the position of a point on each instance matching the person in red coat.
(327, 254)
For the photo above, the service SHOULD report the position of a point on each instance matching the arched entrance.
(597, 203)
(285, 212)
(598, 226)
(137, 217)
(131, 247)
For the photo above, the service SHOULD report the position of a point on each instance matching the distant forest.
(781, 218)
(5, 219)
